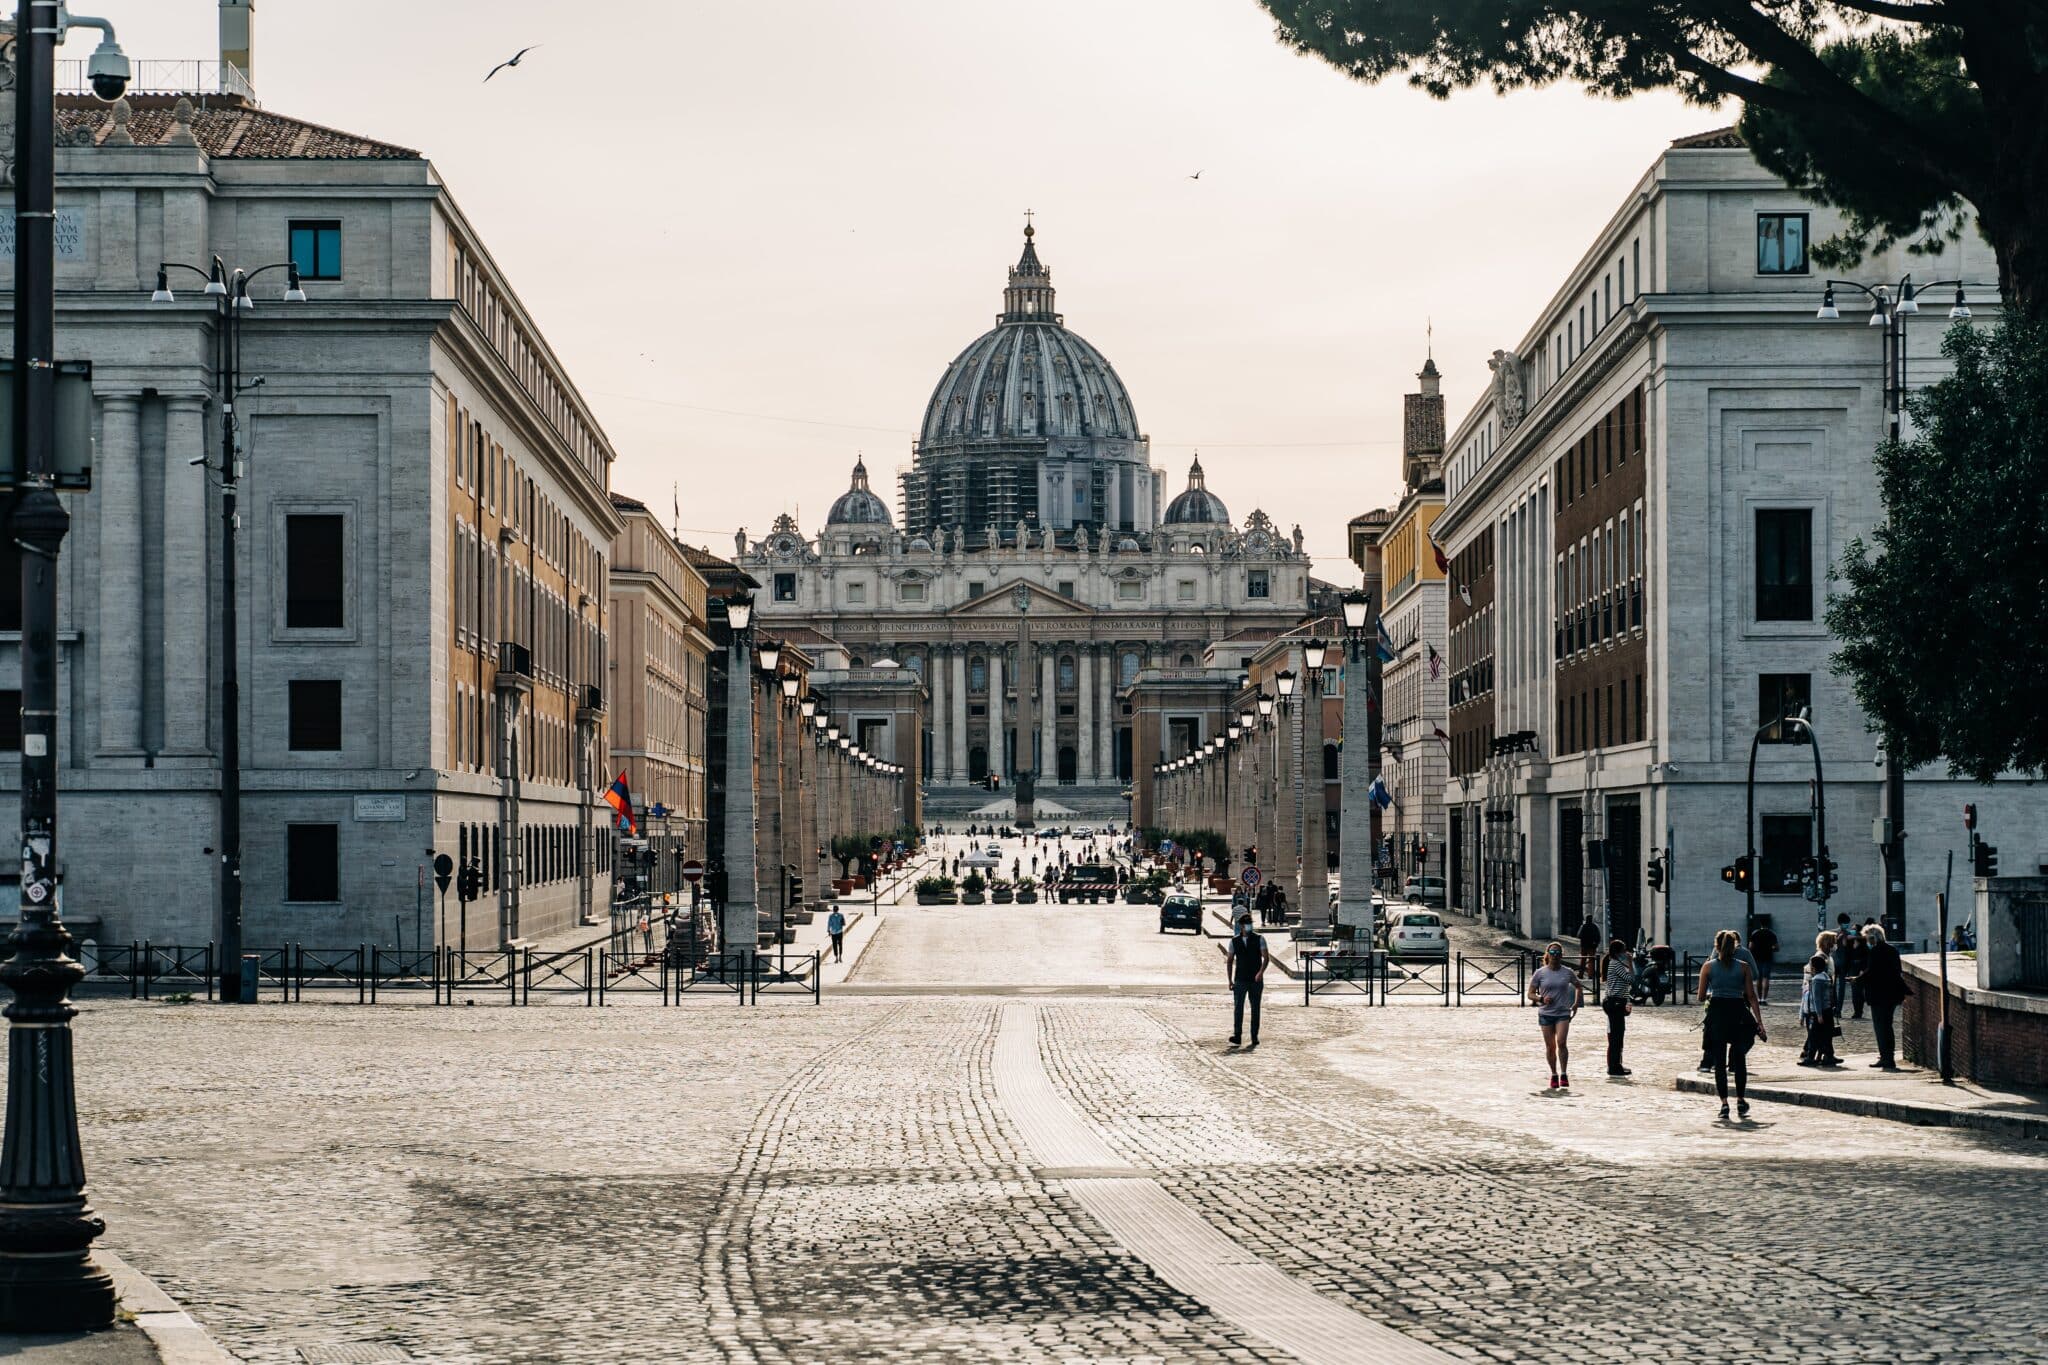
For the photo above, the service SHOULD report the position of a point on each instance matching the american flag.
(1436, 663)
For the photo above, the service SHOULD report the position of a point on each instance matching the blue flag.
(1386, 643)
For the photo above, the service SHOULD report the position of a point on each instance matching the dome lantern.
(1197, 506)
(858, 505)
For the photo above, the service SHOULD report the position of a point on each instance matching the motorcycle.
(1656, 973)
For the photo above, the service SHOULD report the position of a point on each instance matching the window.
(10, 720)
(315, 722)
(974, 590)
(313, 572)
(1256, 583)
(977, 676)
(312, 862)
(911, 592)
(856, 592)
(785, 587)
(1329, 763)
(316, 248)
(1781, 244)
(1066, 587)
(1185, 590)
(1779, 695)
(1784, 564)
(1787, 839)
(1130, 590)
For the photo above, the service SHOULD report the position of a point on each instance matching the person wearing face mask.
(1246, 968)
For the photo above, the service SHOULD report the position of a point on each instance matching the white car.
(1418, 933)
(991, 856)
(1424, 891)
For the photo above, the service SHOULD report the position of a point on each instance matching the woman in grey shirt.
(1734, 1020)
(1554, 990)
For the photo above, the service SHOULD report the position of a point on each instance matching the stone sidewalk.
(150, 1328)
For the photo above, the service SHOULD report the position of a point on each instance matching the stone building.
(1641, 515)
(424, 529)
(1033, 475)
(660, 680)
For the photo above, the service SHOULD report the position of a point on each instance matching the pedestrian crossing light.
(1656, 872)
(1739, 874)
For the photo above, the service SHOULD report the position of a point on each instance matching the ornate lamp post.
(1315, 828)
(739, 925)
(1286, 801)
(1355, 764)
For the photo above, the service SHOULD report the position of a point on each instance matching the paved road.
(876, 1179)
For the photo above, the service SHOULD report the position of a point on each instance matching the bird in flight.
(1196, 176)
(511, 61)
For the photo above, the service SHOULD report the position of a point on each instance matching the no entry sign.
(693, 871)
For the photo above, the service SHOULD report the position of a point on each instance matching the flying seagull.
(1196, 176)
(513, 61)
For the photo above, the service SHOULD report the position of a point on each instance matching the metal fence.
(1500, 977)
(2033, 923)
(516, 977)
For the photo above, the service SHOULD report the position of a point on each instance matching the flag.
(1379, 795)
(619, 797)
(1386, 642)
(1436, 663)
(1443, 564)
(1438, 731)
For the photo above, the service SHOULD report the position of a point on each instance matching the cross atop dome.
(1029, 295)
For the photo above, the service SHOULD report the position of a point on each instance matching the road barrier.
(1343, 972)
(1505, 976)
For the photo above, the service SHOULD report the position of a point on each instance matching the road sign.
(692, 871)
(658, 811)
(444, 871)
(1251, 876)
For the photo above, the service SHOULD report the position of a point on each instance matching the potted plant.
(1027, 891)
(971, 889)
(939, 890)
(1002, 892)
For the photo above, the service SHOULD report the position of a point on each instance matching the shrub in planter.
(971, 889)
(936, 891)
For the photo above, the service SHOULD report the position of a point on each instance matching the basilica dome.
(1197, 506)
(858, 505)
(1029, 378)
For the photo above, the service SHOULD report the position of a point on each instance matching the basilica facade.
(1036, 550)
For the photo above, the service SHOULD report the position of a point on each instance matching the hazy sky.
(756, 233)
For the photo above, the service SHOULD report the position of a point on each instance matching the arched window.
(977, 675)
(1127, 668)
(1187, 661)
(1066, 672)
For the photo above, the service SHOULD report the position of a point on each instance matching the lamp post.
(739, 925)
(229, 293)
(1355, 765)
(1286, 809)
(1315, 827)
(48, 1281)
(1890, 306)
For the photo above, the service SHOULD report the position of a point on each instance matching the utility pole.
(48, 1280)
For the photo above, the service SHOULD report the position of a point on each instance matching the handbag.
(1834, 1030)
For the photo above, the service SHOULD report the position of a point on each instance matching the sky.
(755, 234)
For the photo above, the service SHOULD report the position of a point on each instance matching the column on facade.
(186, 593)
(958, 737)
(798, 830)
(1315, 828)
(739, 922)
(1264, 834)
(823, 760)
(121, 578)
(1105, 723)
(995, 712)
(1084, 714)
(1354, 803)
(1048, 717)
(1286, 857)
(935, 676)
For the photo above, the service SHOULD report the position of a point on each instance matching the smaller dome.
(920, 544)
(858, 505)
(1128, 545)
(1197, 506)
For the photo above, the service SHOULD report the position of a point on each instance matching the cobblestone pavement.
(791, 1183)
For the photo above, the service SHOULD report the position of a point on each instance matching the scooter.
(1654, 973)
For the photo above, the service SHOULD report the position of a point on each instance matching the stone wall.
(1995, 1037)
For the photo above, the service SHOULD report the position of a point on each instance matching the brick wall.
(1994, 1045)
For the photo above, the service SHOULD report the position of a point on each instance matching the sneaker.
(1808, 1061)
(1619, 1071)
(1724, 1112)
(1254, 1043)
(1881, 1066)
(1553, 1082)
(1704, 1067)
(1235, 1040)
(1564, 1082)
(1742, 1108)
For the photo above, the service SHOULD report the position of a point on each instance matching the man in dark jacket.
(1884, 986)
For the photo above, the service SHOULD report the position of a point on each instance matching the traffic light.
(469, 883)
(1830, 883)
(1739, 874)
(1987, 859)
(1656, 872)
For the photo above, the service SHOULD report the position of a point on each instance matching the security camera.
(108, 71)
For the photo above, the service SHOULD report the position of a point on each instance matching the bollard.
(245, 985)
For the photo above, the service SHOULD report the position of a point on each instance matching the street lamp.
(790, 684)
(1356, 763)
(230, 292)
(48, 1281)
(739, 916)
(1890, 306)
(771, 655)
(1315, 857)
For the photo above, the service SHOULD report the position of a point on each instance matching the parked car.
(1424, 891)
(1418, 933)
(1180, 911)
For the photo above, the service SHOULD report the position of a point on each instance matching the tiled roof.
(1716, 137)
(626, 504)
(698, 558)
(224, 126)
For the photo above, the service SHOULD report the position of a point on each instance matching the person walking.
(1742, 955)
(1245, 967)
(1734, 1020)
(1555, 991)
(1763, 947)
(835, 925)
(1617, 984)
(1850, 959)
(1884, 986)
(1817, 1005)
(1589, 946)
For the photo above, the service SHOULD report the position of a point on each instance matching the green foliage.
(1213, 847)
(935, 886)
(847, 849)
(1944, 637)
(1895, 111)
(974, 885)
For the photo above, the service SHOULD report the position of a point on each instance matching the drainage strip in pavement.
(1184, 1249)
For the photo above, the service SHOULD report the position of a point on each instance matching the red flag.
(1443, 564)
